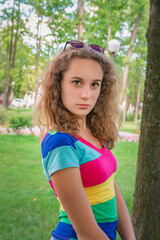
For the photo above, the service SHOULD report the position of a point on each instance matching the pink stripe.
(98, 170)
(50, 182)
(43, 137)
(90, 144)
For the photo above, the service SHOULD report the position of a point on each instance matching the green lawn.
(129, 126)
(28, 208)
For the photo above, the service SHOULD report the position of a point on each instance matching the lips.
(83, 105)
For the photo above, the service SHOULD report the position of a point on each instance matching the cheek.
(64, 92)
(67, 98)
(96, 95)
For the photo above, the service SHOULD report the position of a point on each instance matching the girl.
(78, 110)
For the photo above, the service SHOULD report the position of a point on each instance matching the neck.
(82, 125)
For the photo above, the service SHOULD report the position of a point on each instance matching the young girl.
(78, 112)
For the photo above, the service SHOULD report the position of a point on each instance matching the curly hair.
(52, 114)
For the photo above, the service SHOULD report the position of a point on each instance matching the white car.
(18, 103)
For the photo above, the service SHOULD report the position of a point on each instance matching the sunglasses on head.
(78, 44)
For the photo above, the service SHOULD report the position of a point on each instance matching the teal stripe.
(86, 153)
(60, 158)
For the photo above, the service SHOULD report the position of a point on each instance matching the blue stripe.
(65, 231)
(51, 142)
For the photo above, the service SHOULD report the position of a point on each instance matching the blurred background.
(32, 32)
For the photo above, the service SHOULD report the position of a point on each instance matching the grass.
(129, 126)
(126, 155)
(28, 208)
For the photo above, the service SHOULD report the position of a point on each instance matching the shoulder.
(53, 140)
(58, 152)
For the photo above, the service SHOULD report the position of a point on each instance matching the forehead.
(83, 68)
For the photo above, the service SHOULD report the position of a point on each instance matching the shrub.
(21, 112)
(130, 117)
(18, 122)
(3, 115)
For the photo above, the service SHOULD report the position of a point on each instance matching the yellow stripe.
(61, 207)
(102, 192)
(99, 193)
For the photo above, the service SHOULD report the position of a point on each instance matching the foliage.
(3, 116)
(98, 16)
(16, 22)
(50, 23)
(18, 122)
(30, 201)
(130, 117)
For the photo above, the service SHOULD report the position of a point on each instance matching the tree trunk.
(135, 90)
(138, 99)
(124, 111)
(8, 82)
(126, 69)
(128, 101)
(146, 206)
(80, 19)
(38, 48)
(108, 39)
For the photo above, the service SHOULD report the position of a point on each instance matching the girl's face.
(81, 85)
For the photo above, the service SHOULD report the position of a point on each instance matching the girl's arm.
(124, 226)
(69, 188)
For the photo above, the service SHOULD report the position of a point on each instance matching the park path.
(127, 136)
(124, 136)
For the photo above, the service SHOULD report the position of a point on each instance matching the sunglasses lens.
(96, 48)
(76, 44)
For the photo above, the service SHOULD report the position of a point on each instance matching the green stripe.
(52, 132)
(103, 212)
(63, 217)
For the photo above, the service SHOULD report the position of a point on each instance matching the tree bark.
(135, 90)
(6, 84)
(138, 99)
(38, 49)
(126, 69)
(80, 19)
(124, 111)
(146, 206)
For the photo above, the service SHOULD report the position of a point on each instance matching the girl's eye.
(76, 82)
(95, 84)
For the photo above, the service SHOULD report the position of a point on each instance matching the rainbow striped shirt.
(97, 168)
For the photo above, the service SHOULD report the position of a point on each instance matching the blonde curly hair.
(52, 114)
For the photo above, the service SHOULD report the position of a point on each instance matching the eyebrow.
(98, 80)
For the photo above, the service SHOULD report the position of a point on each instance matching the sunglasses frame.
(78, 42)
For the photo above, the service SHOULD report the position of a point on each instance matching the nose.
(85, 93)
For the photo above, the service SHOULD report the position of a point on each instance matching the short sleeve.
(58, 152)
